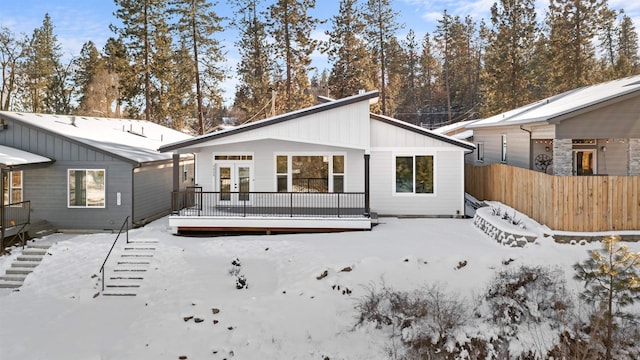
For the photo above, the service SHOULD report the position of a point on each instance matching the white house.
(326, 167)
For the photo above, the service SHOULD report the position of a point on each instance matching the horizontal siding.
(619, 120)
(518, 145)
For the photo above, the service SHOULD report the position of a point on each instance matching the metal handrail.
(126, 222)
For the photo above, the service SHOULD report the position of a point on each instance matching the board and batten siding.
(346, 126)
(47, 188)
(388, 141)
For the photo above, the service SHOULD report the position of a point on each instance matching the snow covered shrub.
(374, 307)
(528, 294)
(429, 322)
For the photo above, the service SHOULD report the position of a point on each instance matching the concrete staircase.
(23, 265)
(125, 270)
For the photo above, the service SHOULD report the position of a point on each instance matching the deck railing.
(15, 218)
(195, 202)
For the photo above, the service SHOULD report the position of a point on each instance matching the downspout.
(530, 147)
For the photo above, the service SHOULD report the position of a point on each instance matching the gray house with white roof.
(593, 130)
(86, 173)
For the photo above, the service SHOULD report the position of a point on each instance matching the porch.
(197, 210)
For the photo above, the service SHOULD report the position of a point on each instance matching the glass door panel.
(244, 182)
(224, 174)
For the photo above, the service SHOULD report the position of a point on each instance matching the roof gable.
(131, 140)
(556, 107)
(422, 131)
(317, 109)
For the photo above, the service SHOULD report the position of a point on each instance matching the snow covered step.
(126, 278)
(123, 286)
(129, 270)
(38, 246)
(24, 264)
(139, 248)
(111, 293)
(143, 242)
(133, 263)
(29, 258)
(10, 284)
(13, 278)
(19, 271)
(34, 251)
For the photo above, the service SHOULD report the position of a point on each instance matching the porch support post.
(176, 172)
(367, 177)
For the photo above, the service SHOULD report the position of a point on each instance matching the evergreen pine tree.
(352, 69)
(120, 77)
(142, 23)
(291, 26)
(197, 25)
(382, 26)
(572, 27)
(507, 71)
(41, 66)
(254, 90)
(628, 61)
(611, 278)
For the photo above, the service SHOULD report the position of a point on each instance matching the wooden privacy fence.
(567, 203)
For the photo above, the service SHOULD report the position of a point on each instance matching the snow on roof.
(463, 135)
(134, 140)
(10, 157)
(565, 103)
(452, 127)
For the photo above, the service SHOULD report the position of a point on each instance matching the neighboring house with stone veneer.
(593, 130)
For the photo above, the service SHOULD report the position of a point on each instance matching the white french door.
(234, 182)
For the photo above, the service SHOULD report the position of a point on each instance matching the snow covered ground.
(286, 312)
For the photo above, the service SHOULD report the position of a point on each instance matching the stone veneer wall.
(634, 157)
(562, 157)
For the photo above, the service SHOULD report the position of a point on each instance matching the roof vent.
(73, 121)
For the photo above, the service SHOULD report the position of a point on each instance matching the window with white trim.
(12, 187)
(310, 173)
(414, 174)
(86, 188)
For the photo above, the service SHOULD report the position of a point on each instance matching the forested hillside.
(166, 61)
